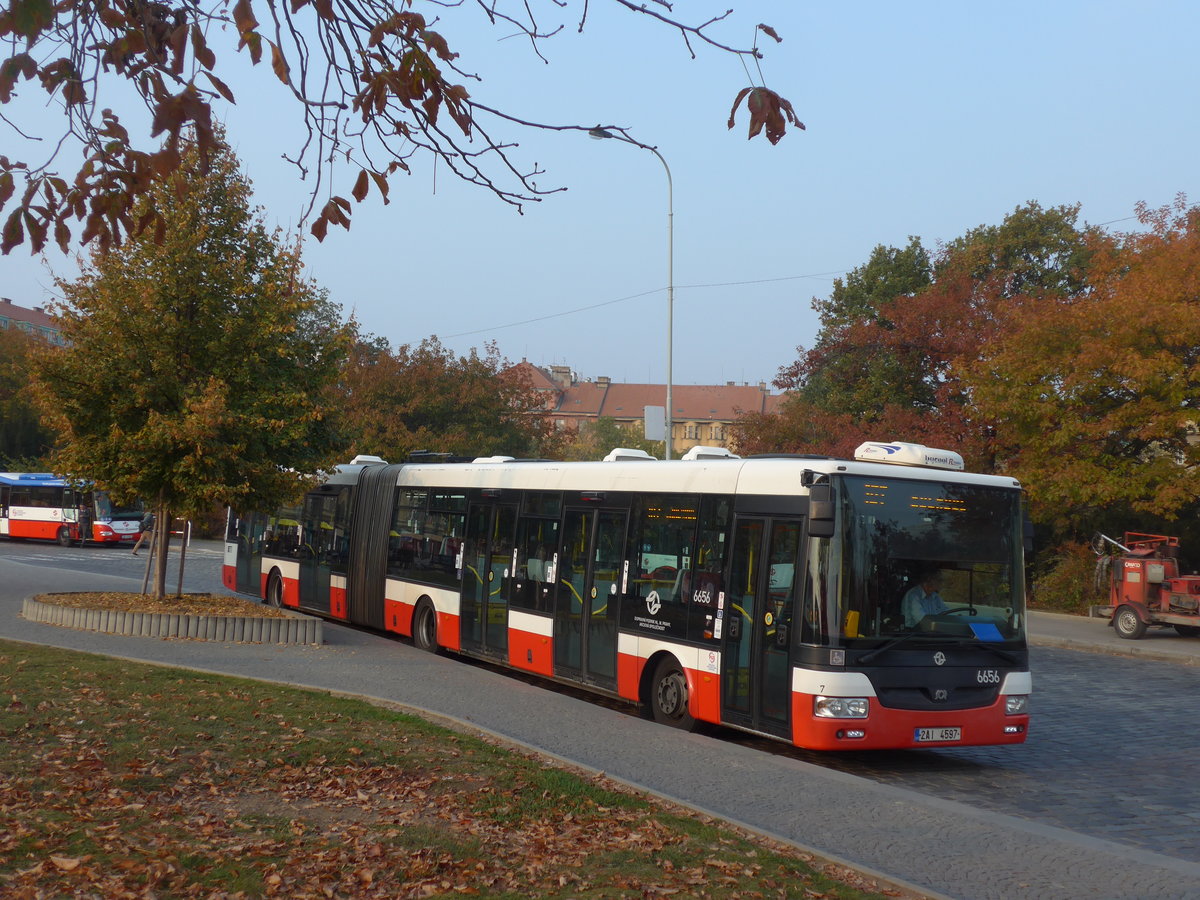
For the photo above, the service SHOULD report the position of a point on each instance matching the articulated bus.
(39, 505)
(777, 595)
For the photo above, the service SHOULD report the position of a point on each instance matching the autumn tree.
(376, 86)
(198, 364)
(23, 437)
(424, 397)
(889, 360)
(595, 440)
(1099, 391)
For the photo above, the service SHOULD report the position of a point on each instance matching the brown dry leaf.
(186, 604)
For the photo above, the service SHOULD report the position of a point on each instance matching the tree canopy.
(597, 439)
(1099, 390)
(394, 402)
(1062, 354)
(897, 332)
(199, 365)
(23, 438)
(376, 85)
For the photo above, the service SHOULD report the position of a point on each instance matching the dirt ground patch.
(180, 604)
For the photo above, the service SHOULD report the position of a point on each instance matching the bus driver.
(923, 599)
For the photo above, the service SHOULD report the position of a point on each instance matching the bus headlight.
(841, 707)
(1016, 704)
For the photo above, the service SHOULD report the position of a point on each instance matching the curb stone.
(294, 629)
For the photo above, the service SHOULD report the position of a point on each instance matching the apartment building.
(36, 322)
(702, 413)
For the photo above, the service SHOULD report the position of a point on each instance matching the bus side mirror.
(820, 510)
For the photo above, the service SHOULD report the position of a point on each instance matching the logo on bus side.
(653, 604)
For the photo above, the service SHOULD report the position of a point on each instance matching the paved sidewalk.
(1095, 635)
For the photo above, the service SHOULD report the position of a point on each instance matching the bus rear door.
(318, 552)
(756, 682)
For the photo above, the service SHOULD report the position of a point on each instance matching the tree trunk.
(162, 543)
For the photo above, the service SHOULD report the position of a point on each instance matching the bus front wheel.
(669, 696)
(64, 536)
(424, 627)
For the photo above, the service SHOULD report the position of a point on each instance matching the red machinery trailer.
(1146, 587)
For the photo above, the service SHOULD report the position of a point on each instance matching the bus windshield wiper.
(984, 645)
(895, 642)
(904, 638)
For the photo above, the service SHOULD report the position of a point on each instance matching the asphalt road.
(1100, 801)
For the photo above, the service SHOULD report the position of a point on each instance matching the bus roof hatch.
(899, 453)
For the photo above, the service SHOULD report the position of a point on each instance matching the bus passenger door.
(587, 598)
(314, 552)
(487, 576)
(756, 678)
(247, 531)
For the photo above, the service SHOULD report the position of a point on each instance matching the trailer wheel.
(1128, 623)
(669, 696)
(1188, 630)
(424, 627)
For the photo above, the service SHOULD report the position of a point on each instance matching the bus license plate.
(937, 734)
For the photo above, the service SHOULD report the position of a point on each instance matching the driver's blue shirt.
(917, 604)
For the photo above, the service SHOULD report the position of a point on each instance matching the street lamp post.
(602, 134)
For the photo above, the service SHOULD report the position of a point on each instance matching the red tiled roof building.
(702, 414)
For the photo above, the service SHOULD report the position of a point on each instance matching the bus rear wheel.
(669, 696)
(424, 627)
(275, 590)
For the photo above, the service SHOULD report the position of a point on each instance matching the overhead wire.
(579, 309)
(716, 284)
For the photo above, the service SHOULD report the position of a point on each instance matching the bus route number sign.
(935, 735)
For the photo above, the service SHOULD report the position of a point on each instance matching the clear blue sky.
(923, 118)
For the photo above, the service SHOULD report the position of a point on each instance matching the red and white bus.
(767, 594)
(42, 506)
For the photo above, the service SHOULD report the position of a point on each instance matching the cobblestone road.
(1110, 754)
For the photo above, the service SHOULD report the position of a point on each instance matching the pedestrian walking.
(147, 527)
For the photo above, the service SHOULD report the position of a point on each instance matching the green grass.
(127, 779)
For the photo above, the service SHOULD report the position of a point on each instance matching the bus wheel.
(64, 536)
(669, 696)
(1128, 623)
(424, 627)
(275, 590)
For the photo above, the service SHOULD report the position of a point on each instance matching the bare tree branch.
(376, 85)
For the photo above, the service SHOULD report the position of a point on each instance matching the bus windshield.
(925, 559)
(108, 511)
